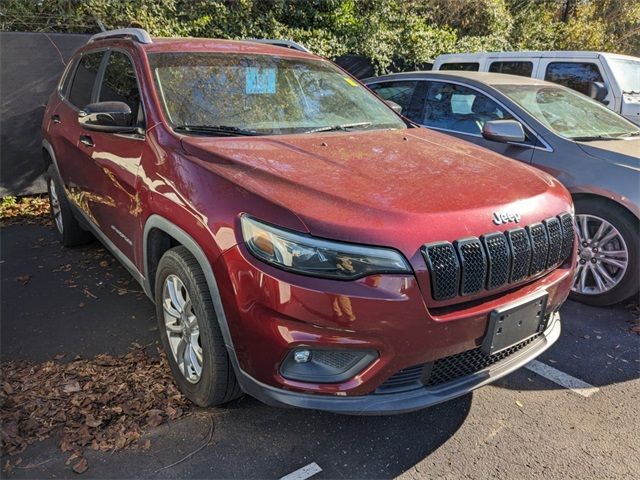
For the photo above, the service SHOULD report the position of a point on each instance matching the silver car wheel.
(55, 205)
(602, 256)
(182, 328)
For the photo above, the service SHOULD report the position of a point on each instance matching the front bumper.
(402, 402)
(270, 313)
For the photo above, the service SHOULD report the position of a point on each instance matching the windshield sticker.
(260, 80)
(351, 82)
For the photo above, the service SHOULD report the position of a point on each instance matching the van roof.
(530, 54)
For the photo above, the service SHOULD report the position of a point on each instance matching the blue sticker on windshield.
(260, 80)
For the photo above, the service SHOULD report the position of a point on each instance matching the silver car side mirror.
(503, 131)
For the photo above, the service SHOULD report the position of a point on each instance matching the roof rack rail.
(282, 43)
(138, 34)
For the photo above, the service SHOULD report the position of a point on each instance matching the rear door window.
(84, 79)
(524, 69)
(119, 84)
(575, 75)
(461, 66)
(460, 109)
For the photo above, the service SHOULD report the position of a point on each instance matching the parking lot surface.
(579, 419)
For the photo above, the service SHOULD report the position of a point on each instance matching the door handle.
(86, 140)
(56, 118)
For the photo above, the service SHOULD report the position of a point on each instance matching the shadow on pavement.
(596, 346)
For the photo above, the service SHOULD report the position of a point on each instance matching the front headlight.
(320, 258)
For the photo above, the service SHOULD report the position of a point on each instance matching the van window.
(460, 109)
(119, 83)
(461, 66)
(524, 69)
(85, 77)
(574, 75)
(399, 92)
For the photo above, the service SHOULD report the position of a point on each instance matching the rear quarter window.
(461, 66)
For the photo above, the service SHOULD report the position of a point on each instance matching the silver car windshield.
(627, 74)
(215, 94)
(568, 113)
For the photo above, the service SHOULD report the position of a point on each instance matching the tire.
(625, 284)
(216, 382)
(70, 232)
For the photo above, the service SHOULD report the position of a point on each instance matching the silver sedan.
(593, 151)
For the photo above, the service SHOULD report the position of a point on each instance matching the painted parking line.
(567, 381)
(304, 472)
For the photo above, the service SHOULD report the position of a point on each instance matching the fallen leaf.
(24, 279)
(81, 466)
(146, 445)
(519, 403)
(71, 387)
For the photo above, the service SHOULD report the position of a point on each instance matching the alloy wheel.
(603, 256)
(55, 205)
(181, 325)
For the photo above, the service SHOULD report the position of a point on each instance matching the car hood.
(384, 187)
(622, 152)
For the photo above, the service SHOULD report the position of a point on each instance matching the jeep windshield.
(570, 114)
(236, 94)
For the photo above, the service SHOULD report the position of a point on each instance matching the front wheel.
(607, 269)
(190, 333)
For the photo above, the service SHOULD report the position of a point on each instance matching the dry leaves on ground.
(31, 209)
(635, 322)
(104, 403)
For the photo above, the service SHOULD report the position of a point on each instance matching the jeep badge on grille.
(505, 217)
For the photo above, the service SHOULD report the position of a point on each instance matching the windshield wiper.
(344, 127)
(214, 130)
(593, 138)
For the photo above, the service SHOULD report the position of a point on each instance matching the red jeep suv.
(302, 241)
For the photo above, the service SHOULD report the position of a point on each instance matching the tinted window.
(466, 66)
(524, 69)
(85, 77)
(459, 108)
(119, 84)
(399, 92)
(574, 75)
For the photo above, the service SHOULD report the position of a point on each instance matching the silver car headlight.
(307, 255)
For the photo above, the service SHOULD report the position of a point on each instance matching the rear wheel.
(70, 232)
(190, 332)
(607, 271)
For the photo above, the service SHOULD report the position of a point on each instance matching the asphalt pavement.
(579, 420)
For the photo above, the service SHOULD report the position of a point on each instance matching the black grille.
(521, 253)
(471, 361)
(448, 369)
(474, 265)
(443, 264)
(498, 258)
(567, 236)
(539, 248)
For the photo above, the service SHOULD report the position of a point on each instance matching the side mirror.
(503, 131)
(112, 117)
(598, 91)
(394, 106)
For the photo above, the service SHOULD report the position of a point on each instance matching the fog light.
(325, 366)
(301, 356)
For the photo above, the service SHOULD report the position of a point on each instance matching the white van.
(611, 79)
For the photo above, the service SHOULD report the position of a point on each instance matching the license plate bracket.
(513, 324)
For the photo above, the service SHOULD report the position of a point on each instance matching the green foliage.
(388, 31)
